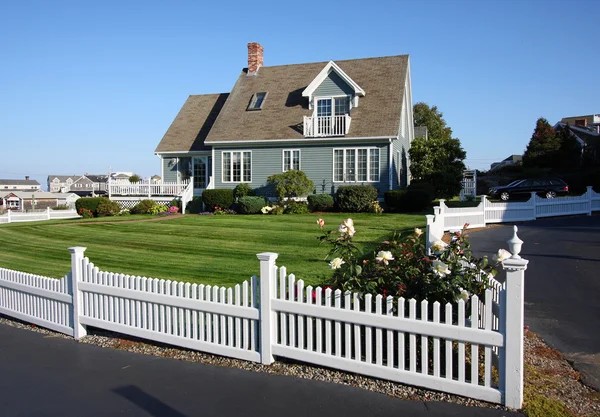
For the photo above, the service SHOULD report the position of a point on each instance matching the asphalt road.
(49, 376)
(562, 284)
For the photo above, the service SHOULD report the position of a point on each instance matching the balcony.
(321, 126)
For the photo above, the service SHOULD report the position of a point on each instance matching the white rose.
(384, 256)
(336, 263)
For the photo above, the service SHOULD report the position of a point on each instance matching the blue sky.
(85, 86)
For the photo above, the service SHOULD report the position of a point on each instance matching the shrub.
(108, 208)
(158, 208)
(89, 203)
(61, 207)
(222, 198)
(176, 202)
(320, 202)
(125, 212)
(143, 207)
(251, 204)
(221, 211)
(292, 183)
(296, 207)
(355, 198)
(134, 178)
(423, 186)
(85, 213)
(242, 190)
(173, 210)
(408, 201)
(194, 206)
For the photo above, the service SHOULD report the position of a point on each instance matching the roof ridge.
(334, 60)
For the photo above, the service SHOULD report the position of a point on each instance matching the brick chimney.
(26, 177)
(255, 57)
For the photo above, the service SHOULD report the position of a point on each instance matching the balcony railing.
(145, 188)
(318, 126)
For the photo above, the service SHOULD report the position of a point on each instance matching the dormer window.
(257, 101)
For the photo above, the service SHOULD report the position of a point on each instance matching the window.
(257, 101)
(356, 165)
(291, 159)
(237, 166)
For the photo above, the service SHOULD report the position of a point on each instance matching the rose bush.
(401, 267)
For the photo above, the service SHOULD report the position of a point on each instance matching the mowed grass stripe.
(203, 249)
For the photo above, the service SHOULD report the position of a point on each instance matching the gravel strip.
(581, 400)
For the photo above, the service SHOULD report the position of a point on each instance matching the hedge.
(143, 207)
(355, 198)
(89, 203)
(251, 204)
(320, 202)
(413, 199)
(221, 197)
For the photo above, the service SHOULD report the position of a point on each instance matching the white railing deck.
(38, 215)
(318, 126)
(147, 188)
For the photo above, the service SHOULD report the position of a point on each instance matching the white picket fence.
(450, 348)
(450, 218)
(48, 214)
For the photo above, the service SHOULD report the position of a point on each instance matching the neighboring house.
(82, 185)
(342, 123)
(99, 183)
(586, 129)
(19, 185)
(155, 178)
(511, 160)
(22, 200)
(121, 177)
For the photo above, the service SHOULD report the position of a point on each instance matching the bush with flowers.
(219, 211)
(401, 267)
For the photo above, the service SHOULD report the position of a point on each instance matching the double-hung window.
(356, 165)
(237, 166)
(291, 159)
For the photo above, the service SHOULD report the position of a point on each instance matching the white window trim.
(332, 98)
(241, 168)
(283, 151)
(356, 163)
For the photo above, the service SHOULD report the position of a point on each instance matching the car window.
(512, 184)
(526, 183)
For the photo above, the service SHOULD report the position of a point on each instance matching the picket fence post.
(533, 202)
(8, 212)
(589, 198)
(48, 213)
(77, 252)
(267, 317)
(512, 319)
(483, 206)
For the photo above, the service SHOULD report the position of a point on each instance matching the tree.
(292, 183)
(438, 159)
(134, 178)
(569, 152)
(542, 150)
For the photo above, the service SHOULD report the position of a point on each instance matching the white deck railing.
(146, 188)
(317, 126)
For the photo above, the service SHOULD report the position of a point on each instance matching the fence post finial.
(77, 252)
(512, 322)
(268, 319)
(515, 244)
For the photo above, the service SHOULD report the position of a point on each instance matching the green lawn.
(203, 249)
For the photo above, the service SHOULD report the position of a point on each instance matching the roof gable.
(325, 72)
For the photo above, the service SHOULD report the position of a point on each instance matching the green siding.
(333, 85)
(315, 160)
(170, 171)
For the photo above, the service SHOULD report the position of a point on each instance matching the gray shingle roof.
(378, 113)
(19, 182)
(192, 124)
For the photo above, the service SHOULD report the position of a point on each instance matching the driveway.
(562, 284)
(51, 376)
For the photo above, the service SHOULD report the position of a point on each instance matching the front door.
(200, 174)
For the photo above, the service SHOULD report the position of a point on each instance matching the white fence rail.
(448, 218)
(450, 348)
(48, 214)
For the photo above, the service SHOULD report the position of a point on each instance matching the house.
(342, 123)
(511, 160)
(19, 185)
(22, 200)
(155, 179)
(82, 185)
(586, 129)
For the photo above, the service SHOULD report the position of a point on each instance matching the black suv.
(549, 188)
